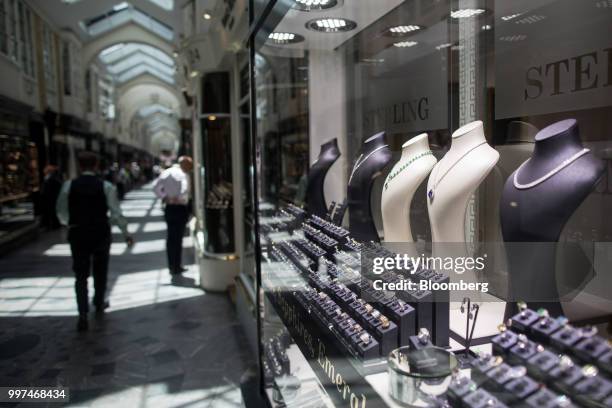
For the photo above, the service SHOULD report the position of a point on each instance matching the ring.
(423, 336)
(368, 307)
(375, 314)
(565, 363)
(589, 371)
(357, 327)
(365, 337)
(338, 311)
(344, 315)
(384, 321)
(322, 295)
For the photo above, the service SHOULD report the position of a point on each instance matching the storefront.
(424, 171)
(22, 154)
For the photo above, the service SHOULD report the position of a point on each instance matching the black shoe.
(102, 307)
(83, 324)
(182, 269)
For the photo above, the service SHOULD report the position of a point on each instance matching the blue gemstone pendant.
(430, 194)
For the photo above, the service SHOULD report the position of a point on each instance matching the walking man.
(173, 186)
(83, 205)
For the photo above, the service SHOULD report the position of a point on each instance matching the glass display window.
(468, 130)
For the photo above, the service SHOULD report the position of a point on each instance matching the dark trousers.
(176, 220)
(90, 251)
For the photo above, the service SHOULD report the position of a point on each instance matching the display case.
(432, 180)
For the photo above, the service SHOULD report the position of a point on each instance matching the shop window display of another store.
(432, 184)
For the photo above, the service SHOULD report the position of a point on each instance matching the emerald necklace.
(403, 167)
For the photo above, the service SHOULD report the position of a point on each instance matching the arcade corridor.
(159, 344)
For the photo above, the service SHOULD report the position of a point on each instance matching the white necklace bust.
(455, 178)
(405, 177)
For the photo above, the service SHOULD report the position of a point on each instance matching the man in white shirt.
(173, 186)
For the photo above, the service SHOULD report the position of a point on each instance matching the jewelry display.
(548, 175)
(360, 160)
(437, 181)
(404, 166)
(384, 322)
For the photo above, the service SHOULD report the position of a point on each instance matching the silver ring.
(365, 338)
(375, 314)
(423, 335)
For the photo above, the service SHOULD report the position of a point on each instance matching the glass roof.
(136, 60)
(124, 13)
(143, 69)
(116, 52)
(165, 4)
(128, 60)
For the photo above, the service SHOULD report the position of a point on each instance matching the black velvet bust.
(539, 213)
(374, 155)
(315, 195)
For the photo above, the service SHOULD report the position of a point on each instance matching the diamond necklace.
(403, 167)
(359, 161)
(548, 175)
(432, 190)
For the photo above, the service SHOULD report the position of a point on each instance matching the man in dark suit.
(84, 205)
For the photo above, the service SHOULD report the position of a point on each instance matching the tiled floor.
(159, 345)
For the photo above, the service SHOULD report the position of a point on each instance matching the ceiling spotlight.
(486, 27)
(212, 117)
(194, 74)
(466, 13)
(206, 16)
(285, 38)
(405, 44)
(309, 5)
(402, 30)
(331, 25)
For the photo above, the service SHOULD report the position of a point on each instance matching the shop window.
(427, 129)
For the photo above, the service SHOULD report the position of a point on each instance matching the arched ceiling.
(136, 41)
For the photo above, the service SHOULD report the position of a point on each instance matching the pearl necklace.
(432, 190)
(403, 167)
(359, 161)
(548, 175)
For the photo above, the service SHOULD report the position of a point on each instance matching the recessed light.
(194, 74)
(405, 44)
(310, 5)
(212, 117)
(402, 30)
(486, 27)
(466, 13)
(206, 16)
(331, 25)
(285, 38)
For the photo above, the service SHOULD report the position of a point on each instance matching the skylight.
(143, 69)
(165, 4)
(126, 61)
(116, 52)
(138, 59)
(124, 13)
